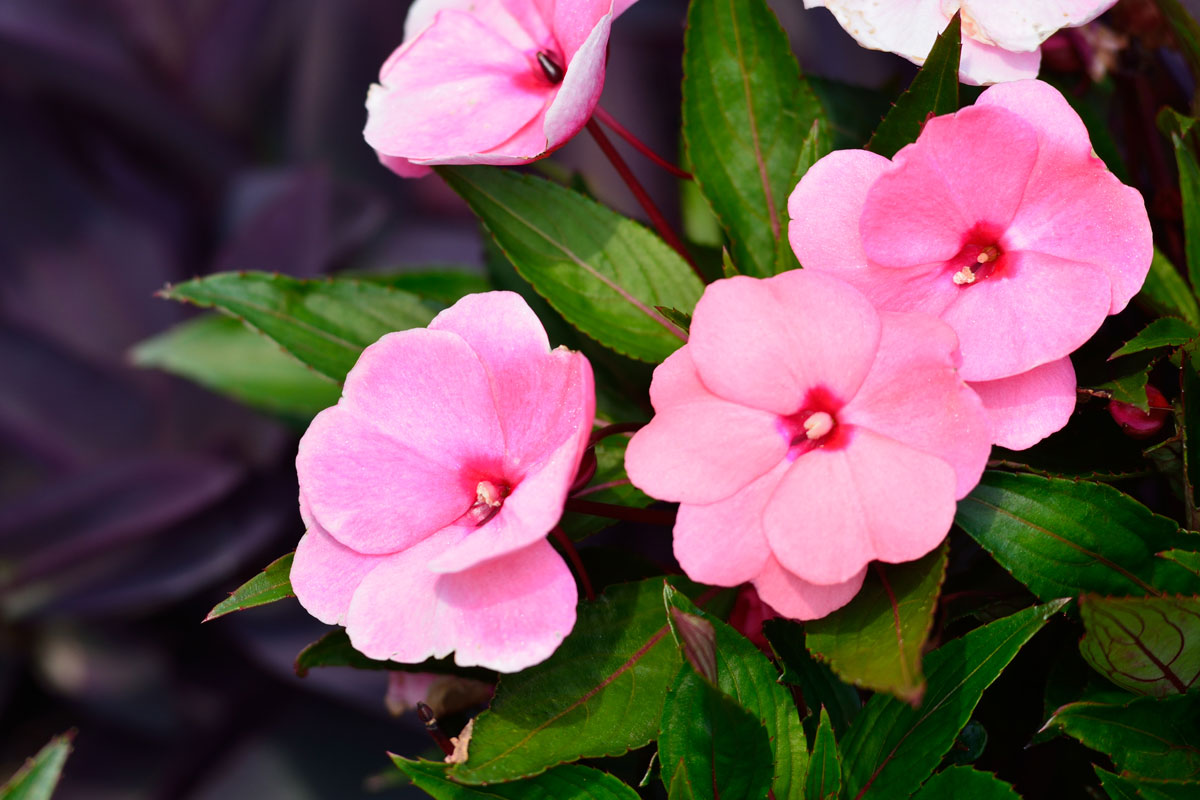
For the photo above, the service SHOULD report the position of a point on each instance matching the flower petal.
(543, 398)
(1036, 309)
(1083, 213)
(528, 514)
(914, 396)
(981, 64)
(1061, 133)
(826, 206)
(906, 27)
(676, 381)
(1023, 26)
(581, 87)
(703, 451)
(459, 87)
(767, 343)
(326, 573)
(506, 614)
(836, 510)
(497, 15)
(369, 490)
(723, 543)
(966, 172)
(796, 598)
(1026, 408)
(427, 390)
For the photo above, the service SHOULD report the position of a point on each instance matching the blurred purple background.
(150, 141)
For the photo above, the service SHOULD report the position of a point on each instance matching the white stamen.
(965, 276)
(488, 494)
(818, 425)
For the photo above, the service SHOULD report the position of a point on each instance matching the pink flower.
(1140, 424)
(804, 434)
(489, 81)
(1001, 41)
(1001, 221)
(428, 490)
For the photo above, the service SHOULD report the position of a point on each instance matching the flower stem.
(639, 192)
(600, 487)
(565, 542)
(425, 713)
(613, 430)
(650, 516)
(620, 130)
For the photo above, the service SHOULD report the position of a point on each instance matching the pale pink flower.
(1000, 220)
(428, 490)
(1001, 39)
(804, 434)
(489, 81)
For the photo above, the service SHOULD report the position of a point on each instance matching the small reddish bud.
(1137, 423)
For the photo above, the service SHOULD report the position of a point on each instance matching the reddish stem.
(425, 713)
(656, 217)
(650, 516)
(600, 487)
(565, 542)
(613, 430)
(620, 130)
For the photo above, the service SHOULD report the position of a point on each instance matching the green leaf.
(746, 113)
(933, 92)
(1162, 332)
(710, 744)
(1061, 537)
(876, 640)
(1187, 559)
(604, 273)
(225, 356)
(600, 694)
(746, 675)
(568, 782)
(270, 585)
(678, 318)
(957, 783)
(1121, 787)
(37, 779)
(1189, 187)
(1148, 645)
(818, 685)
(334, 650)
(443, 286)
(324, 323)
(1130, 386)
(1166, 293)
(824, 780)
(1188, 422)
(892, 747)
(1150, 736)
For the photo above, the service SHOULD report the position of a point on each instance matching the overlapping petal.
(507, 613)
(766, 346)
(325, 574)
(1026, 408)
(837, 509)
(795, 597)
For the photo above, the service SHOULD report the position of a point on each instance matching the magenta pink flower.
(1001, 39)
(1141, 424)
(1000, 220)
(805, 434)
(428, 490)
(489, 81)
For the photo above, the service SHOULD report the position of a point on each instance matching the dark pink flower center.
(980, 258)
(814, 425)
(489, 498)
(552, 67)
